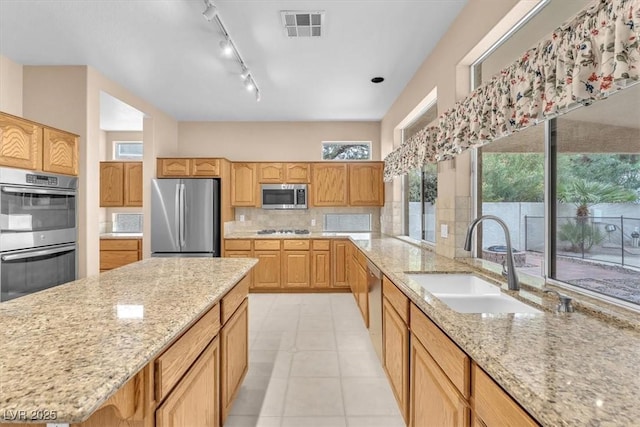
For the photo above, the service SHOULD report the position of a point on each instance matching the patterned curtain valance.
(586, 59)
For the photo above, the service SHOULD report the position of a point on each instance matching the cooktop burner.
(283, 231)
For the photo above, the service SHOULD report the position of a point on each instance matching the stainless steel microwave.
(284, 196)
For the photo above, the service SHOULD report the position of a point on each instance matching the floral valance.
(586, 59)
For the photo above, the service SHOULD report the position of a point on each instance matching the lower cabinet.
(235, 356)
(339, 261)
(320, 269)
(295, 264)
(195, 400)
(115, 253)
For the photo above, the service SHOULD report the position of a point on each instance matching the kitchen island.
(67, 350)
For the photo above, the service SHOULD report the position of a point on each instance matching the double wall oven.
(38, 231)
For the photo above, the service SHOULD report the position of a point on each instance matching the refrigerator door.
(165, 215)
(198, 225)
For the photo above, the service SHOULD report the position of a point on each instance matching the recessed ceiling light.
(377, 80)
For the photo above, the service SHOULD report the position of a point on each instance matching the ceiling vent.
(299, 23)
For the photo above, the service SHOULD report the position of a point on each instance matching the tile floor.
(311, 363)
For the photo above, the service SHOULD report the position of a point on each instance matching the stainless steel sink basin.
(467, 293)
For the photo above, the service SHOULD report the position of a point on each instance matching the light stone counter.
(313, 235)
(569, 369)
(121, 236)
(69, 348)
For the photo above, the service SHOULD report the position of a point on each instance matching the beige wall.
(112, 136)
(10, 86)
(289, 141)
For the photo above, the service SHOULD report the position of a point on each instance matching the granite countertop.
(312, 235)
(569, 369)
(121, 235)
(68, 349)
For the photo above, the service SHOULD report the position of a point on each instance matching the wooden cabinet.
(19, 143)
(359, 285)
(493, 406)
(244, 184)
(297, 173)
(321, 264)
(339, 263)
(205, 167)
(115, 253)
(271, 172)
(59, 152)
(235, 356)
(329, 184)
(169, 167)
(290, 173)
(295, 269)
(29, 145)
(240, 248)
(395, 344)
(365, 184)
(120, 184)
(266, 274)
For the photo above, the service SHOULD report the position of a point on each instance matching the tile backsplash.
(258, 219)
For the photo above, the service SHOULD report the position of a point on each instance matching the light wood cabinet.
(359, 285)
(195, 400)
(19, 143)
(329, 184)
(120, 184)
(365, 184)
(205, 167)
(339, 263)
(234, 356)
(59, 152)
(295, 269)
(173, 168)
(266, 274)
(395, 345)
(271, 172)
(133, 184)
(241, 248)
(278, 173)
(115, 253)
(321, 264)
(297, 173)
(244, 184)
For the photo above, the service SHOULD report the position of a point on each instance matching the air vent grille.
(299, 23)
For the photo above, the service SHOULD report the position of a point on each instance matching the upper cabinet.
(185, 167)
(243, 184)
(205, 167)
(329, 184)
(168, 168)
(28, 145)
(120, 184)
(278, 173)
(365, 184)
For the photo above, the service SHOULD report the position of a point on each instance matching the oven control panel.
(42, 180)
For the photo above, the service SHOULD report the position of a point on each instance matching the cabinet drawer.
(237, 245)
(266, 245)
(296, 245)
(453, 361)
(321, 245)
(232, 300)
(171, 365)
(396, 298)
(494, 406)
(115, 259)
(119, 244)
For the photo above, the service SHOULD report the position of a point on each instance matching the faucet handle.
(504, 269)
(564, 304)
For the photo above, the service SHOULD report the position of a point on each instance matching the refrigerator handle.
(182, 215)
(178, 217)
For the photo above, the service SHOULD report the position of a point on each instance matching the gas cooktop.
(283, 231)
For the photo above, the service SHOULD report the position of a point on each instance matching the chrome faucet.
(510, 271)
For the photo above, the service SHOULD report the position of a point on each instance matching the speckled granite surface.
(569, 369)
(121, 236)
(254, 235)
(69, 348)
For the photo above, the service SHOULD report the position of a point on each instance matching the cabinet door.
(365, 184)
(19, 143)
(59, 152)
(271, 173)
(295, 269)
(205, 167)
(395, 350)
(243, 184)
(362, 294)
(242, 254)
(173, 168)
(111, 184)
(266, 273)
(434, 400)
(235, 356)
(195, 400)
(339, 264)
(329, 184)
(133, 184)
(321, 269)
(297, 173)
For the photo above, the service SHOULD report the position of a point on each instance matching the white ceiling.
(165, 52)
(115, 115)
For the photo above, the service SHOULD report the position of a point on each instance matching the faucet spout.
(510, 273)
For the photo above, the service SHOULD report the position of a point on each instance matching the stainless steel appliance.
(185, 218)
(284, 196)
(38, 231)
(374, 282)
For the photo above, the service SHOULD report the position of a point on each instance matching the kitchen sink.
(467, 293)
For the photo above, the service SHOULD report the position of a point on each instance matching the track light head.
(226, 48)
(249, 84)
(245, 73)
(210, 12)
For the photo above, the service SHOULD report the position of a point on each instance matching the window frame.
(367, 143)
(116, 155)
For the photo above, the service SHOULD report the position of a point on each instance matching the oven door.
(36, 216)
(28, 271)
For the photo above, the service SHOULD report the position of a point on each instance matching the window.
(127, 223)
(127, 150)
(346, 150)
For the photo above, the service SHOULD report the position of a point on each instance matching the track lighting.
(245, 73)
(227, 48)
(248, 84)
(210, 12)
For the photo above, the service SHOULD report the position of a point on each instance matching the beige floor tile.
(360, 364)
(368, 396)
(315, 323)
(314, 422)
(318, 340)
(379, 421)
(275, 340)
(315, 364)
(314, 397)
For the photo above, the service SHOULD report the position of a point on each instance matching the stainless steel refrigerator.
(185, 218)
